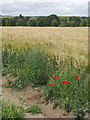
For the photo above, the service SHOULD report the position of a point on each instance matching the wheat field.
(66, 42)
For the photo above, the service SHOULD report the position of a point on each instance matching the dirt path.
(31, 97)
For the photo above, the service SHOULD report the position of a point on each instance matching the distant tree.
(7, 21)
(76, 20)
(41, 21)
(63, 24)
(3, 22)
(88, 20)
(21, 22)
(50, 18)
(16, 17)
(54, 23)
(84, 22)
(27, 18)
(72, 23)
(64, 19)
(72, 18)
(82, 17)
(68, 24)
(0, 21)
(12, 21)
(20, 16)
(31, 22)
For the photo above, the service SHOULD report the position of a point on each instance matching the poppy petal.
(52, 84)
(55, 79)
(64, 82)
(55, 75)
(77, 78)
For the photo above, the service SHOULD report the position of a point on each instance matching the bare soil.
(30, 97)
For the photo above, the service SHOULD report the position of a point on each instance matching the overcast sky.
(44, 7)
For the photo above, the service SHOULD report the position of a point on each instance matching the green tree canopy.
(27, 18)
(12, 21)
(7, 21)
(49, 19)
(54, 23)
(31, 22)
(63, 24)
(21, 22)
(3, 22)
(84, 22)
(41, 21)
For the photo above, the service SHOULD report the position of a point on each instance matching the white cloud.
(76, 1)
(45, 7)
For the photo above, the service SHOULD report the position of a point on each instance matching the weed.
(33, 109)
(12, 111)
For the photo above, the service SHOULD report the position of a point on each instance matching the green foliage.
(88, 20)
(7, 22)
(54, 23)
(40, 21)
(38, 66)
(75, 100)
(12, 22)
(50, 18)
(3, 22)
(31, 67)
(31, 22)
(4, 71)
(35, 67)
(72, 23)
(27, 18)
(63, 24)
(12, 62)
(84, 22)
(9, 81)
(12, 111)
(0, 106)
(33, 109)
(21, 22)
(62, 21)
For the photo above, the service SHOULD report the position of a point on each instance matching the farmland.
(32, 55)
(72, 42)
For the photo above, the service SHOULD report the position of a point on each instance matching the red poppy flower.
(71, 88)
(64, 82)
(55, 79)
(59, 115)
(52, 84)
(55, 75)
(77, 78)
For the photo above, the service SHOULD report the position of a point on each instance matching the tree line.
(51, 20)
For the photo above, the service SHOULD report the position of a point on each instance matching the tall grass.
(64, 42)
(34, 58)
